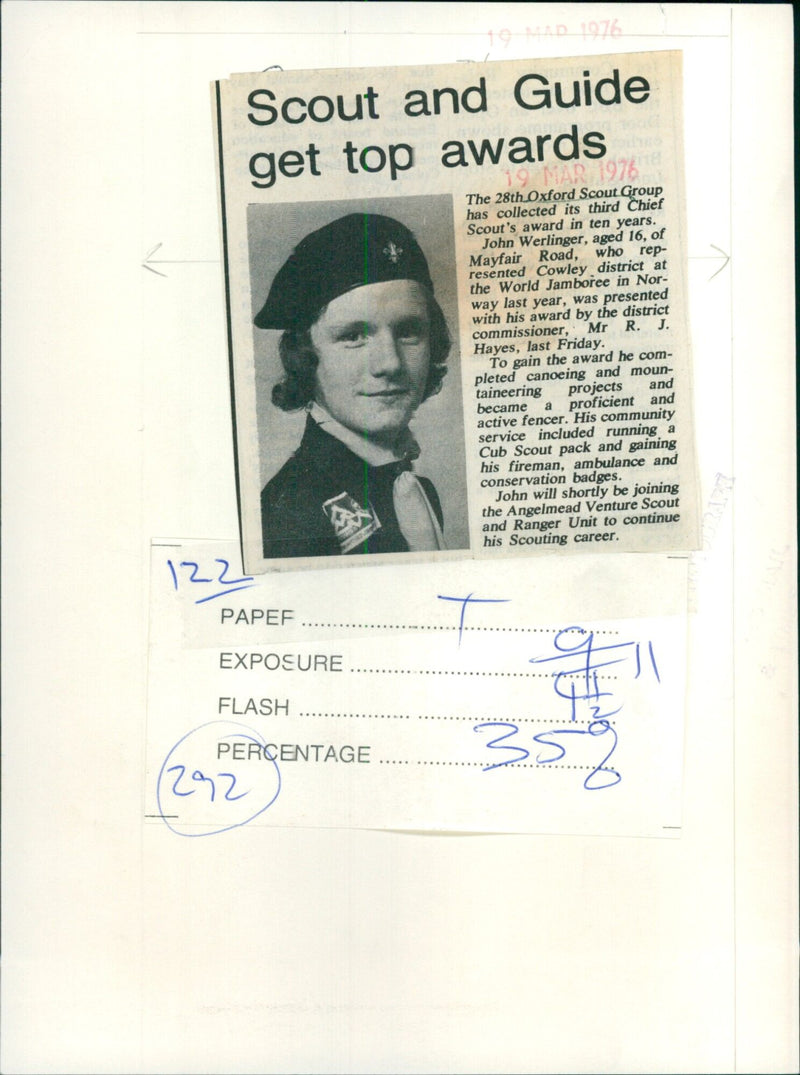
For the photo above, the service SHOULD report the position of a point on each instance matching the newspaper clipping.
(457, 310)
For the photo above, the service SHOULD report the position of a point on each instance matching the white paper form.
(417, 708)
(300, 948)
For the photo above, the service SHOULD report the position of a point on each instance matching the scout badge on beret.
(353, 251)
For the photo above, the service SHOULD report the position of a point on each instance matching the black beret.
(355, 250)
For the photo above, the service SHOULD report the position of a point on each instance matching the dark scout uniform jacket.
(326, 501)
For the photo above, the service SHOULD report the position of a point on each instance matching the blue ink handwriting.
(219, 577)
(578, 664)
(601, 775)
(495, 744)
(212, 804)
(198, 775)
(469, 599)
(579, 656)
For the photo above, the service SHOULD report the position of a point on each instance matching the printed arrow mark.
(150, 261)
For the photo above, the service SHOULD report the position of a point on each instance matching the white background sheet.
(128, 949)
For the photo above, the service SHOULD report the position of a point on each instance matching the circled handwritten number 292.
(203, 779)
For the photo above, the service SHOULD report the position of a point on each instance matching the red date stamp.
(573, 173)
(591, 30)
